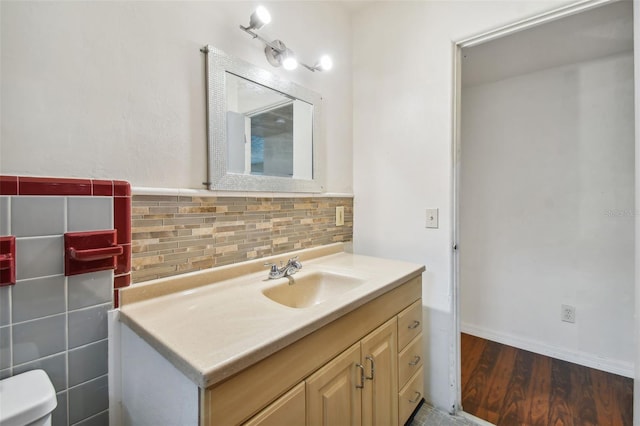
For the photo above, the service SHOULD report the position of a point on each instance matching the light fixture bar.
(280, 55)
(262, 39)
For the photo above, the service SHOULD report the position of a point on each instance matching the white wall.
(547, 211)
(116, 89)
(402, 129)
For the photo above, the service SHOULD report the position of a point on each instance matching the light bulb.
(289, 63)
(259, 18)
(288, 59)
(325, 63)
(263, 15)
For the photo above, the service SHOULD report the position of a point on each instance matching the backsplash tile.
(174, 234)
(38, 297)
(89, 289)
(39, 338)
(55, 367)
(39, 257)
(37, 216)
(88, 399)
(101, 419)
(88, 325)
(89, 213)
(53, 186)
(5, 305)
(5, 347)
(59, 415)
(87, 362)
(4, 215)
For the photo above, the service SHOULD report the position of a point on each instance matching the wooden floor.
(509, 386)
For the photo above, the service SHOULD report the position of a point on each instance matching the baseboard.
(621, 368)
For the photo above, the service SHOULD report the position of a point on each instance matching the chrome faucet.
(293, 265)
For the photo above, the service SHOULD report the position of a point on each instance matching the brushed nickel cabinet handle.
(362, 377)
(414, 324)
(416, 360)
(417, 398)
(373, 367)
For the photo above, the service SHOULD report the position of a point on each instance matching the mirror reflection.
(263, 131)
(269, 133)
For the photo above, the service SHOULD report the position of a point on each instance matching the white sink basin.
(302, 291)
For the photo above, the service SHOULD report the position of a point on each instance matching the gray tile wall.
(53, 322)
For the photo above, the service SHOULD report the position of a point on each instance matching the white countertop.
(212, 331)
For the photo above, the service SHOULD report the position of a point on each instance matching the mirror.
(263, 131)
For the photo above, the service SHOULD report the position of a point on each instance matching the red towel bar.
(7, 261)
(90, 251)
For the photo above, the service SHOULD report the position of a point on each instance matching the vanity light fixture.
(276, 51)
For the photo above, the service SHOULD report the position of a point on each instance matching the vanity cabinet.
(329, 363)
(360, 385)
(219, 352)
(289, 409)
(410, 358)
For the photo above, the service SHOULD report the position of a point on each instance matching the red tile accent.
(102, 188)
(90, 251)
(121, 188)
(7, 261)
(8, 185)
(124, 260)
(122, 281)
(116, 298)
(53, 186)
(122, 218)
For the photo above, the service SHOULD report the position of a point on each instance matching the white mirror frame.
(217, 65)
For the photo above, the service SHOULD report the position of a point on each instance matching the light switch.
(340, 216)
(432, 218)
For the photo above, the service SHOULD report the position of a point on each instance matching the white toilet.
(27, 399)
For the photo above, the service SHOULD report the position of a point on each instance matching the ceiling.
(599, 32)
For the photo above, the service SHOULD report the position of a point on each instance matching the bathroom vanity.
(339, 342)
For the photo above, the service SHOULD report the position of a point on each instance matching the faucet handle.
(273, 266)
(294, 259)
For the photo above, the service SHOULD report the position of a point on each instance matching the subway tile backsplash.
(47, 320)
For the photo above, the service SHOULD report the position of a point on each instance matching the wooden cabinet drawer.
(289, 409)
(409, 324)
(410, 396)
(409, 360)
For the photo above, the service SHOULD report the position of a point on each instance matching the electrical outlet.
(340, 216)
(568, 313)
(432, 218)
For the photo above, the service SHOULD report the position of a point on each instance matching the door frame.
(457, 46)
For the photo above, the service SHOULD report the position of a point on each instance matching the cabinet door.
(380, 358)
(288, 410)
(333, 397)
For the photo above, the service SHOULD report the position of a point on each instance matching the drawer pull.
(362, 376)
(373, 367)
(416, 360)
(417, 398)
(414, 324)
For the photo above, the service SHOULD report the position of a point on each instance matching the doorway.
(545, 200)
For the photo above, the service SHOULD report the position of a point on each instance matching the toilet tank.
(27, 399)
